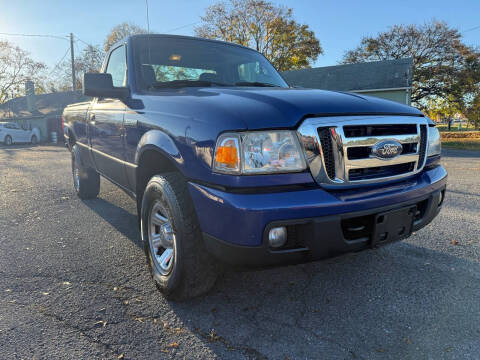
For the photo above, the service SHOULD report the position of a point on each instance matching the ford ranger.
(229, 165)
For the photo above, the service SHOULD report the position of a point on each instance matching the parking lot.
(74, 283)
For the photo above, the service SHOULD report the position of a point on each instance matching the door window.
(117, 66)
(253, 71)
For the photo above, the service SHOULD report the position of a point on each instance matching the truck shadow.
(399, 301)
(122, 220)
(373, 304)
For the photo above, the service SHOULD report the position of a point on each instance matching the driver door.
(106, 124)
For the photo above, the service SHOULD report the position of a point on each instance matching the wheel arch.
(5, 137)
(70, 137)
(156, 154)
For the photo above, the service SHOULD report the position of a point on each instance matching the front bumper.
(235, 224)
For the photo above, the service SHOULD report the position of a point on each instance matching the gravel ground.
(74, 283)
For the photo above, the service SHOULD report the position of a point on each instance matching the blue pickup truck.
(229, 165)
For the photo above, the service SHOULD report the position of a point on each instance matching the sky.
(339, 25)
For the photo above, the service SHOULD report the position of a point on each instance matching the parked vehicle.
(227, 164)
(12, 133)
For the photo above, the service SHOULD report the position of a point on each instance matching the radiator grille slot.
(380, 171)
(379, 130)
(327, 149)
(423, 146)
(363, 152)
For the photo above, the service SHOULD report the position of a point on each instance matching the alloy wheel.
(161, 239)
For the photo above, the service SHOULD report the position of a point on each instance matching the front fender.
(159, 141)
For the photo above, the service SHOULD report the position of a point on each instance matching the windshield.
(163, 62)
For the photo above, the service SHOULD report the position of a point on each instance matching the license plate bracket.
(393, 225)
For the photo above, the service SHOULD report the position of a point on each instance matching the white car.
(11, 133)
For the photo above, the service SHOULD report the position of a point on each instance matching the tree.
(472, 112)
(264, 27)
(465, 92)
(442, 109)
(439, 56)
(16, 67)
(89, 60)
(120, 32)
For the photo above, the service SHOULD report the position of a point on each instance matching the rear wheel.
(86, 181)
(178, 260)
(34, 140)
(8, 140)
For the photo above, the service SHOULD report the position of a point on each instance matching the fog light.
(277, 237)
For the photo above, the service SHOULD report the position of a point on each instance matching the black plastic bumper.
(317, 238)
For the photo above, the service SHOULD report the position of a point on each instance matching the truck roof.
(137, 36)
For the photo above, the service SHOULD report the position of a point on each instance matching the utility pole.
(74, 83)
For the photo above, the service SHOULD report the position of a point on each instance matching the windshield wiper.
(254, 83)
(184, 83)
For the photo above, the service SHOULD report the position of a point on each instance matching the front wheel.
(34, 140)
(86, 181)
(178, 260)
(8, 140)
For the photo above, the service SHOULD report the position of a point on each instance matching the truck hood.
(262, 108)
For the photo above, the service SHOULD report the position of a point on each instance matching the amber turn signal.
(227, 154)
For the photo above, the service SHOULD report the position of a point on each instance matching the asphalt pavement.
(74, 283)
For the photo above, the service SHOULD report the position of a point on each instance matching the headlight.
(259, 152)
(434, 144)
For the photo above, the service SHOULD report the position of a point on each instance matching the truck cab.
(230, 165)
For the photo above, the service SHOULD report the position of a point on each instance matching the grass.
(454, 128)
(468, 140)
(461, 143)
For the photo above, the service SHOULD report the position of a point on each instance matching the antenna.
(148, 36)
(148, 19)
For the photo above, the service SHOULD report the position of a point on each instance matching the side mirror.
(101, 85)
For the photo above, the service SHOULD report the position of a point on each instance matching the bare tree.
(439, 56)
(89, 60)
(264, 27)
(120, 32)
(16, 67)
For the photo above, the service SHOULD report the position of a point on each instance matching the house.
(391, 79)
(43, 111)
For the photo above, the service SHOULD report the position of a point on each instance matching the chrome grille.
(423, 146)
(339, 149)
(326, 144)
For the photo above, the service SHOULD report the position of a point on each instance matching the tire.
(86, 181)
(8, 140)
(191, 271)
(34, 140)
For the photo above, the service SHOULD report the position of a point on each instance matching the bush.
(461, 135)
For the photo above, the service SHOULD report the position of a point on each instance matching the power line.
(36, 35)
(59, 62)
(47, 36)
(77, 38)
(471, 29)
(183, 26)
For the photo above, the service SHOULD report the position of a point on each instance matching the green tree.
(440, 57)
(465, 92)
(16, 67)
(264, 27)
(120, 32)
(472, 112)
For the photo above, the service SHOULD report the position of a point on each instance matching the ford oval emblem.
(387, 149)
